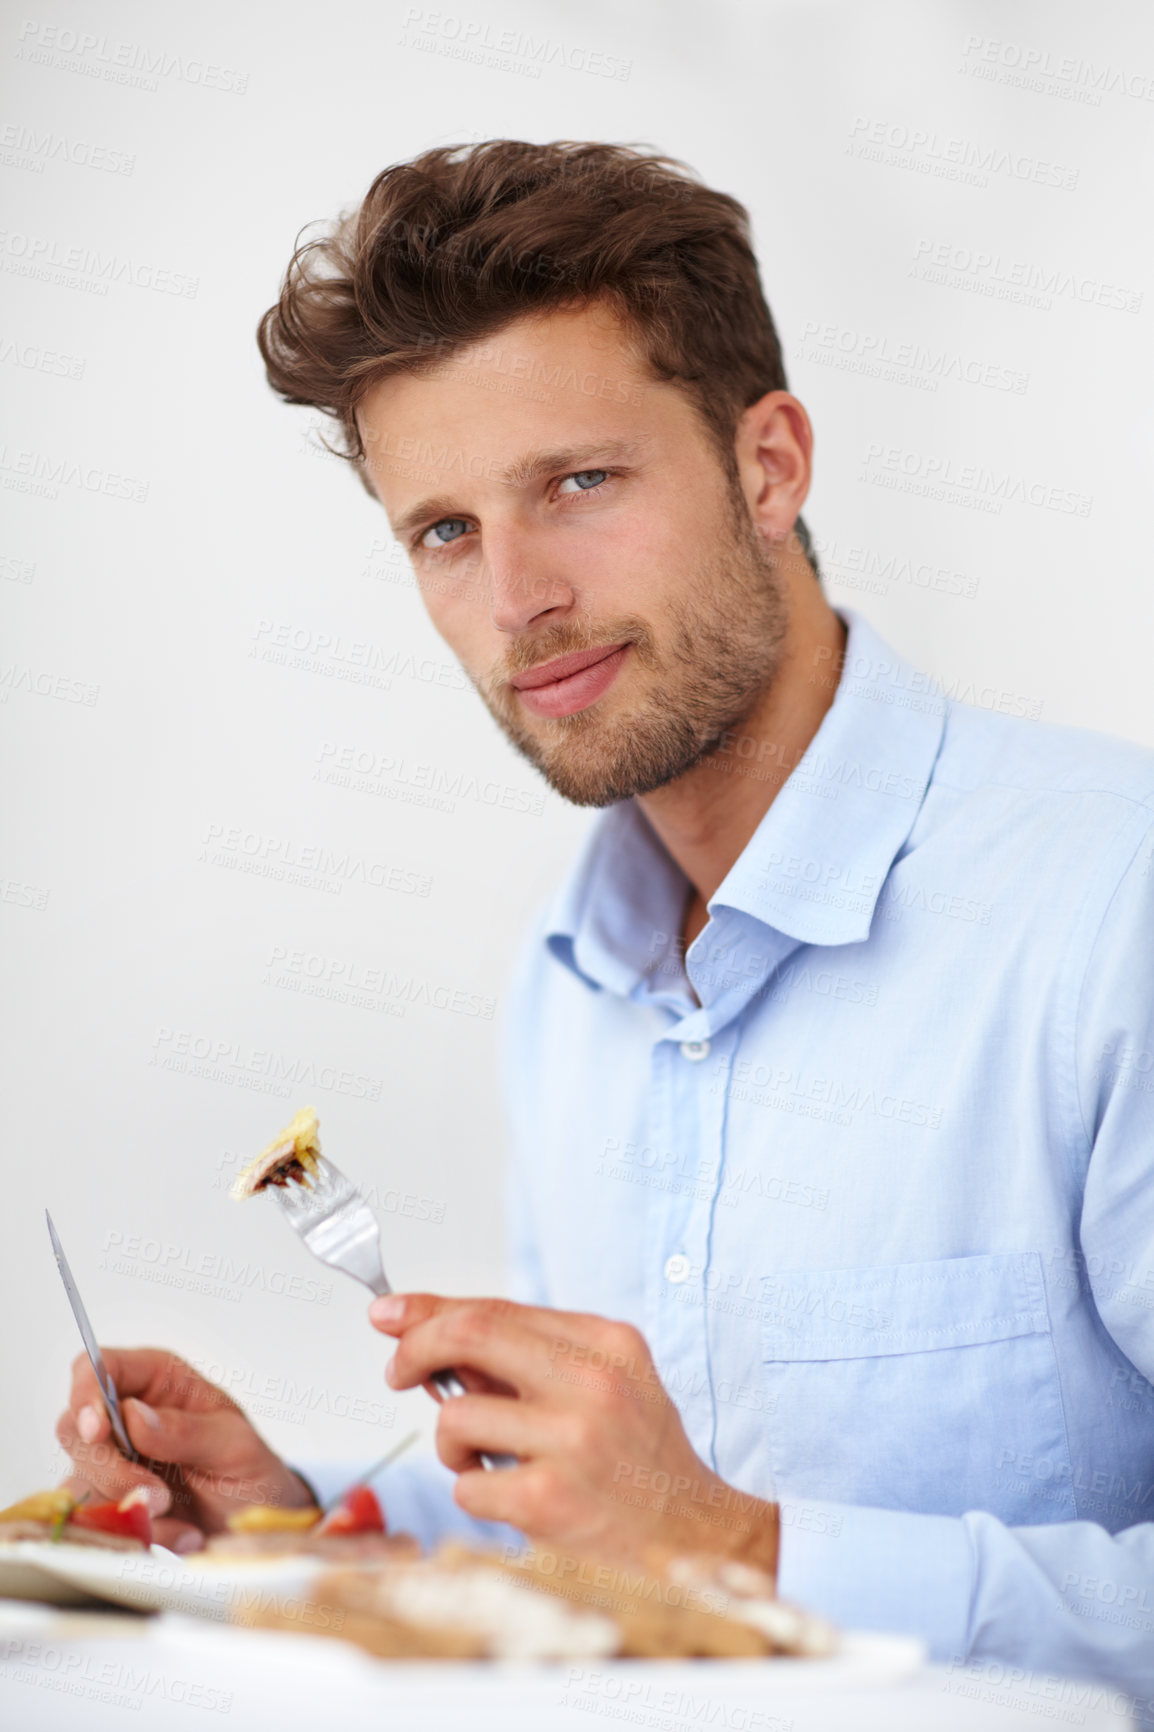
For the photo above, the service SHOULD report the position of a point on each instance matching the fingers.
(501, 1496)
(482, 1335)
(496, 1424)
(100, 1465)
(207, 1441)
(517, 1347)
(85, 1390)
(217, 1453)
(542, 1501)
(395, 1313)
(87, 1438)
(132, 1369)
(91, 1423)
(157, 1376)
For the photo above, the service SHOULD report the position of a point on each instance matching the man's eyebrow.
(429, 510)
(571, 457)
(520, 472)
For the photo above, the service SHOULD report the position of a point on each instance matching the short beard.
(726, 646)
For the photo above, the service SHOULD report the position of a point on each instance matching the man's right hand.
(216, 1462)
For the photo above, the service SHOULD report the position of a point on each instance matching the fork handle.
(449, 1384)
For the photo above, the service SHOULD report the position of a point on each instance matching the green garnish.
(58, 1521)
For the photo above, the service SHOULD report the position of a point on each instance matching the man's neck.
(706, 817)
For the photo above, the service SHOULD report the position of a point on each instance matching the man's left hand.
(604, 1465)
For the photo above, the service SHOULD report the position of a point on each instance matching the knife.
(91, 1346)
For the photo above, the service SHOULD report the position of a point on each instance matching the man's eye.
(448, 529)
(585, 479)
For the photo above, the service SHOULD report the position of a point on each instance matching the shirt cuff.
(879, 1569)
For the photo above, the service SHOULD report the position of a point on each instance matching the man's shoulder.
(985, 750)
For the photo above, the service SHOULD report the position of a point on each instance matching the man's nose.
(522, 582)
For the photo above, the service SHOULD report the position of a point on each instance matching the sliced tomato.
(129, 1518)
(357, 1513)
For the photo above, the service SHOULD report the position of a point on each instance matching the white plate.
(152, 1581)
(864, 1660)
(25, 1574)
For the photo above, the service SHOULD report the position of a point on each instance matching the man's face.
(579, 547)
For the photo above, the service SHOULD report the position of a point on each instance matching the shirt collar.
(621, 904)
(815, 865)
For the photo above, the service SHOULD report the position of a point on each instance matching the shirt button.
(695, 1049)
(677, 1268)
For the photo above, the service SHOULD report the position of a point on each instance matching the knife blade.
(91, 1346)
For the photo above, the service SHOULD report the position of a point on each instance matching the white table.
(103, 1672)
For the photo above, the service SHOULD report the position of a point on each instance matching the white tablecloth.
(93, 1672)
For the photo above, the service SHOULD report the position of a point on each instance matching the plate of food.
(43, 1538)
(66, 1551)
(469, 1606)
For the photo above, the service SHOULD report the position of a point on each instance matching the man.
(830, 1064)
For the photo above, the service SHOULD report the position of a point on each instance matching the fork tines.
(307, 1201)
(335, 1222)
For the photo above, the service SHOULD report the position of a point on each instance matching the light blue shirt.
(871, 1166)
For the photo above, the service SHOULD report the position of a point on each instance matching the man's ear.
(773, 447)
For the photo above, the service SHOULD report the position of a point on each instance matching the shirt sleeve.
(1068, 1599)
(1065, 1601)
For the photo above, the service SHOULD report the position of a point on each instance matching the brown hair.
(446, 249)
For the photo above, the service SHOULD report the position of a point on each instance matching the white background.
(125, 939)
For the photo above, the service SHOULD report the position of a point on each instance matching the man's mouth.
(570, 683)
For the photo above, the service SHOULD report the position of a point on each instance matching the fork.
(340, 1229)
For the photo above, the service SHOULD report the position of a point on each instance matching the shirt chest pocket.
(920, 1386)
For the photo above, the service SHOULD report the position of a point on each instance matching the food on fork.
(290, 1157)
(58, 1515)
